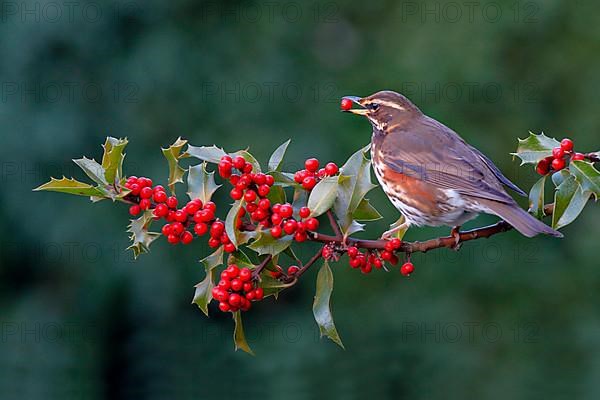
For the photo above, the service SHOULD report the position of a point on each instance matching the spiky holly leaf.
(272, 286)
(321, 306)
(536, 198)
(323, 196)
(267, 244)
(140, 236)
(588, 177)
(277, 157)
(283, 179)
(535, 148)
(239, 338)
(203, 293)
(211, 154)
(201, 183)
(173, 155)
(70, 186)
(366, 212)
(276, 195)
(92, 169)
(112, 159)
(569, 201)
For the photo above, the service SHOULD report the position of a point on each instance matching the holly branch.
(276, 211)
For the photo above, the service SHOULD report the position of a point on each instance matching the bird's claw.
(455, 233)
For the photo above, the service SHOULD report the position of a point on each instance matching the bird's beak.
(356, 100)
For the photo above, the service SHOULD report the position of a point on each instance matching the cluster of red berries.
(559, 157)
(236, 289)
(312, 174)
(283, 222)
(193, 217)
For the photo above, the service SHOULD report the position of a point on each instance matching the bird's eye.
(374, 106)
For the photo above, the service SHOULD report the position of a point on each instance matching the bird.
(432, 175)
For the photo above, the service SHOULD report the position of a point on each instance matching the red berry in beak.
(346, 104)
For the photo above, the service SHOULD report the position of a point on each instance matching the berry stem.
(261, 267)
(334, 226)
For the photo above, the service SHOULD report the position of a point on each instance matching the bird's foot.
(455, 233)
(388, 234)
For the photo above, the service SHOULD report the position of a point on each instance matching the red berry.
(248, 168)
(558, 152)
(145, 204)
(566, 144)
(263, 190)
(276, 231)
(161, 210)
(172, 202)
(223, 306)
(321, 174)
(245, 274)
(173, 239)
(159, 188)
(250, 295)
(160, 197)
(236, 284)
(543, 167)
(269, 180)
(331, 169)
(300, 237)
(396, 243)
(386, 255)
(578, 157)
(166, 229)
(290, 226)
(250, 196)
(346, 104)
(312, 224)
(232, 271)
(200, 228)
(275, 274)
(210, 206)
(187, 237)
(312, 164)
(264, 204)
(259, 215)
(135, 210)
(258, 293)
(355, 262)
(286, 210)
(193, 207)
(180, 216)
(365, 269)
(135, 189)
(260, 179)
(407, 269)
(214, 243)
(558, 164)
(229, 248)
(292, 269)
(239, 162)
(352, 252)
(217, 229)
(247, 287)
(177, 228)
(235, 299)
(146, 193)
(299, 176)
(309, 182)
(304, 212)
(226, 157)
(276, 219)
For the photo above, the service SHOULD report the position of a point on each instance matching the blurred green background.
(508, 317)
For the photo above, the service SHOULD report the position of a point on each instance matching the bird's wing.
(433, 153)
(497, 172)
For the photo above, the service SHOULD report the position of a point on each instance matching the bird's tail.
(520, 219)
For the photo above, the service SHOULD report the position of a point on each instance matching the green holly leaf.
(276, 195)
(239, 338)
(203, 292)
(272, 286)
(92, 169)
(140, 236)
(212, 154)
(536, 198)
(249, 158)
(321, 306)
(173, 155)
(267, 244)
(355, 183)
(277, 157)
(201, 183)
(323, 196)
(235, 235)
(569, 201)
(70, 186)
(535, 148)
(587, 175)
(284, 179)
(112, 159)
(400, 232)
(366, 212)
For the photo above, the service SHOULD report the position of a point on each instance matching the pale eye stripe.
(389, 104)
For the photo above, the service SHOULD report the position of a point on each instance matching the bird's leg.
(455, 233)
(402, 226)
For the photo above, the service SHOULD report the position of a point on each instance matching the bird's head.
(383, 108)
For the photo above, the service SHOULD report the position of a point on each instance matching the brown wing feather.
(428, 150)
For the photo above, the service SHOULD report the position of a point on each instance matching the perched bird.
(430, 174)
